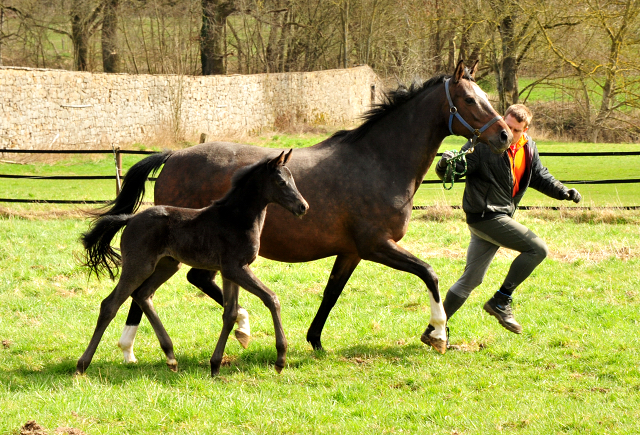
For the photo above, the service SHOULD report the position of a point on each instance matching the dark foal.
(224, 236)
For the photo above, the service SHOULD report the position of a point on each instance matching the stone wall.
(42, 109)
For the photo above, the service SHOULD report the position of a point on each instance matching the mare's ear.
(287, 157)
(459, 72)
(474, 69)
(278, 161)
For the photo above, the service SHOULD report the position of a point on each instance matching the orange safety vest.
(518, 162)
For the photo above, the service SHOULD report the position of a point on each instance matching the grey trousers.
(486, 238)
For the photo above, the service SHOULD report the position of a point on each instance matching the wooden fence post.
(118, 169)
(203, 137)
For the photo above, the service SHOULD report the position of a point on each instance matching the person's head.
(518, 117)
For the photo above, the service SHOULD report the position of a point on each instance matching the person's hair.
(520, 112)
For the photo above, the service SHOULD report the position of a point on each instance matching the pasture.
(573, 370)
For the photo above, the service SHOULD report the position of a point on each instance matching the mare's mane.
(390, 102)
(240, 178)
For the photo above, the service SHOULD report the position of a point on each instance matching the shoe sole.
(516, 329)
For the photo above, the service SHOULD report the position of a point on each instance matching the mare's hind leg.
(392, 255)
(244, 277)
(340, 274)
(230, 291)
(130, 280)
(165, 269)
(204, 280)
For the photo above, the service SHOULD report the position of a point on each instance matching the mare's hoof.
(173, 365)
(315, 343)
(439, 345)
(242, 338)
(279, 368)
(78, 373)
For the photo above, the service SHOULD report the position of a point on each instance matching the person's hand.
(447, 155)
(573, 195)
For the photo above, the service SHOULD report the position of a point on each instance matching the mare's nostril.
(303, 208)
(504, 136)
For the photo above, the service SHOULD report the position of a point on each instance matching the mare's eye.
(281, 182)
(469, 100)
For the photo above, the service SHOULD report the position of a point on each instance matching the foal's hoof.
(173, 365)
(439, 345)
(279, 368)
(242, 338)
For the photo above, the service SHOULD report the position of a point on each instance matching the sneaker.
(499, 306)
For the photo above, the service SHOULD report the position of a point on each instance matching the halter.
(453, 110)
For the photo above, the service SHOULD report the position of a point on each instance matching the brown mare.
(360, 185)
(224, 236)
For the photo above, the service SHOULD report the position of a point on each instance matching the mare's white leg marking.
(243, 321)
(126, 343)
(438, 319)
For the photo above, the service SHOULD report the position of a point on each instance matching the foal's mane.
(391, 101)
(240, 178)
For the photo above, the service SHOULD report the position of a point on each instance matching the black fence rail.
(118, 175)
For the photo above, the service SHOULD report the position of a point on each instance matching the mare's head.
(281, 188)
(473, 106)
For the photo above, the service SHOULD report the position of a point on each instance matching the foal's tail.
(133, 186)
(99, 256)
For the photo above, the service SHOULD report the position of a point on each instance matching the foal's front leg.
(229, 314)
(244, 277)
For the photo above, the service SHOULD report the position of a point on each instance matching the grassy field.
(564, 168)
(573, 370)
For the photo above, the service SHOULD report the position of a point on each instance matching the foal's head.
(281, 188)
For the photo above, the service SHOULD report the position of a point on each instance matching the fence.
(118, 174)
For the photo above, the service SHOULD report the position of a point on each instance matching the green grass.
(573, 370)
(564, 168)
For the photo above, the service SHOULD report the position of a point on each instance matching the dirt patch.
(44, 214)
(473, 346)
(33, 428)
(6, 344)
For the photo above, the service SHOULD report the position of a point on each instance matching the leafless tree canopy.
(581, 54)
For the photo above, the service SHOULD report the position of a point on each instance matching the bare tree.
(214, 18)
(110, 46)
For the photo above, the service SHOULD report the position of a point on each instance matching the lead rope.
(451, 172)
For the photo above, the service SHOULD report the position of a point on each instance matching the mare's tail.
(99, 256)
(133, 186)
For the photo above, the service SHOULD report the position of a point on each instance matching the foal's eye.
(281, 183)
(469, 100)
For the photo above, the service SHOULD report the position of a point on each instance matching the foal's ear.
(474, 69)
(459, 73)
(287, 157)
(278, 161)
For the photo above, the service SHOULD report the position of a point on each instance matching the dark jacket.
(490, 181)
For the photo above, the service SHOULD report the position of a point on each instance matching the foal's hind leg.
(244, 277)
(130, 279)
(204, 280)
(165, 269)
(230, 291)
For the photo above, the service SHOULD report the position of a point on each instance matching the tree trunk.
(110, 49)
(80, 39)
(345, 33)
(1, 23)
(508, 65)
(214, 18)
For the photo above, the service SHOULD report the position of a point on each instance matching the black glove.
(573, 195)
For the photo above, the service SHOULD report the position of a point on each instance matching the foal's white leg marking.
(438, 319)
(243, 321)
(126, 343)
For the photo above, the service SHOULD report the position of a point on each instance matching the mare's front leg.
(244, 277)
(340, 274)
(130, 279)
(390, 254)
(229, 314)
(165, 269)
